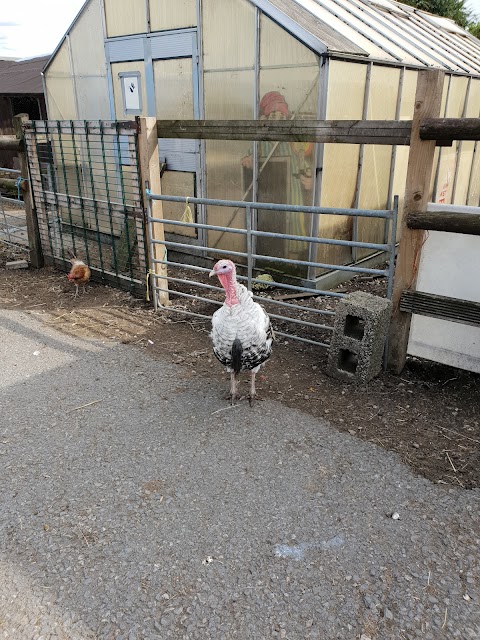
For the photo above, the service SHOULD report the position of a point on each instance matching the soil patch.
(429, 415)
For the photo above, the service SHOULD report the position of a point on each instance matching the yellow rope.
(187, 214)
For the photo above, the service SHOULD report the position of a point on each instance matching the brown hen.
(79, 274)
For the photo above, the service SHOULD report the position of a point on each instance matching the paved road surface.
(158, 512)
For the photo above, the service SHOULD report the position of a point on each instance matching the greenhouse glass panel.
(165, 14)
(467, 147)
(407, 107)
(289, 74)
(179, 183)
(382, 105)
(346, 89)
(125, 17)
(279, 48)
(225, 182)
(229, 95)
(173, 89)
(454, 108)
(474, 191)
(60, 87)
(228, 34)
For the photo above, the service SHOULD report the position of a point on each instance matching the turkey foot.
(233, 398)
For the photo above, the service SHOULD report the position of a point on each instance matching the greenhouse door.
(175, 73)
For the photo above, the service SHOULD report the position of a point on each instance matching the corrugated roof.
(24, 77)
(378, 29)
(392, 31)
(327, 39)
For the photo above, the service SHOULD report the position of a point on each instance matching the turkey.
(241, 331)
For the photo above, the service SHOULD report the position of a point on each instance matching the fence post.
(150, 172)
(34, 242)
(428, 99)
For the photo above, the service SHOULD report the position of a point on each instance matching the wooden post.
(428, 99)
(150, 172)
(34, 241)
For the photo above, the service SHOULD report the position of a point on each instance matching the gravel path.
(159, 512)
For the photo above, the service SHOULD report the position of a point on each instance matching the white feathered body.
(246, 322)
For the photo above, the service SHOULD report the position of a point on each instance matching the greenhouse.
(277, 60)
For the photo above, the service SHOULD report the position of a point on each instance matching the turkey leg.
(253, 393)
(233, 395)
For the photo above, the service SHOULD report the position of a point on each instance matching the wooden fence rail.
(387, 132)
(445, 221)
(449, 129)
(8, 183)
(10, 143)
(384, 132)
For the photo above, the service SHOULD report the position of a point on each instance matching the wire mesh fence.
(86, 189)
(180, 270)
(13, 222)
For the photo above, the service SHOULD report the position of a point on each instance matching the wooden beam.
(386, 132)
(34, 241)
(10, 143)
(443, 307)
(445, 221)
(150, 173)
(8, 183)
(450, 129)
(428, 100)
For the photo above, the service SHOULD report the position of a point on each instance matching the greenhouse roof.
(378, 29)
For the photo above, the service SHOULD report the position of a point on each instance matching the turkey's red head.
(225, 270)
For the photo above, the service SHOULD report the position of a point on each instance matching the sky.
(35, 27)
(474, 5)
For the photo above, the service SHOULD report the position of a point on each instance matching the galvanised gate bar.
(167, 273)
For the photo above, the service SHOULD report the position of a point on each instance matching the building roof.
(22, 77)
(380, 30)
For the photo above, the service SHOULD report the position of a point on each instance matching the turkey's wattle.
(241, 331)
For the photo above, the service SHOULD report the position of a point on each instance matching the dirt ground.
(429, 415)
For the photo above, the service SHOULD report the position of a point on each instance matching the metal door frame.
(165, 45)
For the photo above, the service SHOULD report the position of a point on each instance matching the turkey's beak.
(212, 273)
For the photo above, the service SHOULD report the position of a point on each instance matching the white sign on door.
(131, 90)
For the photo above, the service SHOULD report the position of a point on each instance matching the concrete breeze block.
(361, 327)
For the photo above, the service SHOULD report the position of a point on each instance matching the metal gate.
(13, 222)
(86, 190)
(181, 269)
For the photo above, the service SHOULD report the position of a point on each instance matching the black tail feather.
(237, 350)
